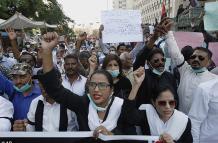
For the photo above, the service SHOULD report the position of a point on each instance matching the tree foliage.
(49, 11)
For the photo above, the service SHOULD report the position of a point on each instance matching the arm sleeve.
(31, 116)
(60, 94)
(197, 113)
(6, 113)
(186, 136)
(138, 47)
(5, 124)
(6, 86)
(131, 114)
(104, 47)
(141, 58)
(174, 52)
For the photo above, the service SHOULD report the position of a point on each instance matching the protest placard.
(121, 26)
(194, 39)
(213, 46)
(211, 16)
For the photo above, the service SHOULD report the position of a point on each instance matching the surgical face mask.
(11, 55)
(28, 46)
(113, 52)
(114, 73)
(157, 72)
(23, 88)
(101, 109)
(199, 70)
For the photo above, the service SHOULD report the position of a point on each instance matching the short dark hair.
(153, 52)
(122, 44)
(187, 51)
(84, 55)
(112, 57)
(71, 56)
(160, 89)
(209, 53)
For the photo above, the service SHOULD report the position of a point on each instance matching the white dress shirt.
(189, 80)
(204, 113)
(77, 87)
(51, 116)
(6, 110)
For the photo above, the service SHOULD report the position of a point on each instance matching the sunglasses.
(172, 103)
(101, 85)
(201, 58)
(158, 60)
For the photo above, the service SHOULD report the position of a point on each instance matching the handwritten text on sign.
(121, 26)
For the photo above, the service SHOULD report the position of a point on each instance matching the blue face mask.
(199, 70)
(23, 88)
(114, 73)
(101, 109)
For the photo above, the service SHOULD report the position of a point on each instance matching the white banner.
(7, 136)
(121, 26)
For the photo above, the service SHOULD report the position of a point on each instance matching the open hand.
(11, 34)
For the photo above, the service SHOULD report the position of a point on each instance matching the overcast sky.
(85, 11)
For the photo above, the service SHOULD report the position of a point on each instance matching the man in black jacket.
(156, 75)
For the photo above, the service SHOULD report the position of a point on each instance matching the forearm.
(15, 50)
(151, 42)
(133, 92)
(47, 61)
(173, 49)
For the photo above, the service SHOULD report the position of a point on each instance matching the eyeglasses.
(172, 103)
(158, 60)
(201, 58)
(101, 85)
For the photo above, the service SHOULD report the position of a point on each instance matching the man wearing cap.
(46, 115)
(22, 91)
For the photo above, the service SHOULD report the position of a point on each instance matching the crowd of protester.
(123, 89)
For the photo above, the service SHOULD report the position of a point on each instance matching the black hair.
(71, 56)
(112, 57)
(160, 89)
(187, 51)
(106, 74)
(153, 52)
(122, 44)
(84, 55)
(209, 53)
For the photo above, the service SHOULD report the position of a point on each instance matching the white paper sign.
(211, 16)
(121, 26)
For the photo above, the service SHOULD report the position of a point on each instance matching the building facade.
(123, 4)
(151, 9)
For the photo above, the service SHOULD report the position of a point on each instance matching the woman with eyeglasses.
(122, 85)
(161, 118)
(98, 110)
